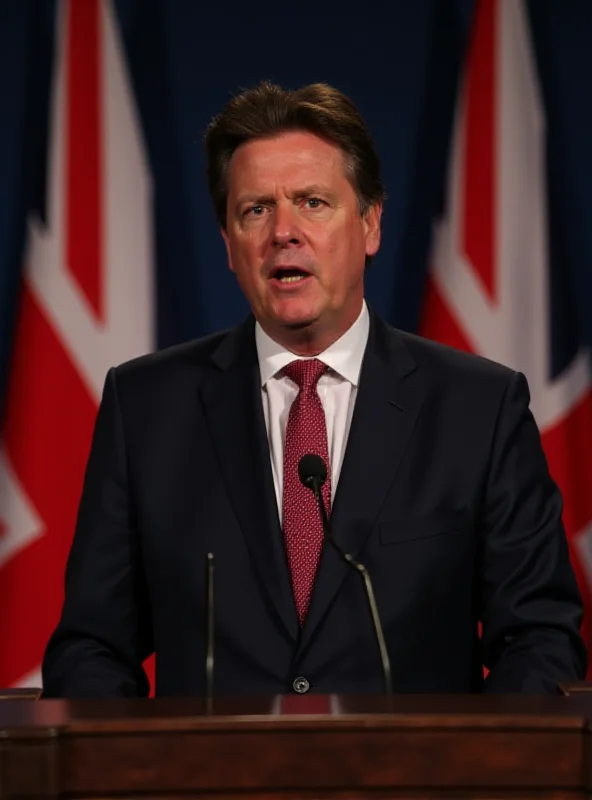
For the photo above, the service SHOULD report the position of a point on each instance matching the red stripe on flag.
(567, 446)
(48, 426)
(480, 157)
(84, 217)
(567, 449)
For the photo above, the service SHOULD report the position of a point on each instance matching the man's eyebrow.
(255, 199)
(264, 199)
(315, 188)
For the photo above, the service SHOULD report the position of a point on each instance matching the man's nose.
(286, 229)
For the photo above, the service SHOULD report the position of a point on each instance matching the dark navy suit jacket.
(444, 495)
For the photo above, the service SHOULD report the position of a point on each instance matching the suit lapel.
(389, 399)
(233, 408)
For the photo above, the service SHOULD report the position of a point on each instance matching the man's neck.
(309, 341)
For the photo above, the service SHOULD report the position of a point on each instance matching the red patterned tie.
(306, 432)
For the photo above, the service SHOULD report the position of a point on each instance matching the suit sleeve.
(531, 607)
(103, 635)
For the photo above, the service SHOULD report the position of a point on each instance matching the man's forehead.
(297, 155)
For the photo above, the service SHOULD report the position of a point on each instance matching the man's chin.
(300, 324)
(294, 320)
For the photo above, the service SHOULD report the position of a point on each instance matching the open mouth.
(288, 275)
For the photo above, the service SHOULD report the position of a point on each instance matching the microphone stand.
(315, 485)
(209, 632)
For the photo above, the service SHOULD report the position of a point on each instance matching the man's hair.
(267, 110)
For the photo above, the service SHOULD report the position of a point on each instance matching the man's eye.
(254, 211)
(314, 202)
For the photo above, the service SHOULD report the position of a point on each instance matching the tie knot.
(305, 372)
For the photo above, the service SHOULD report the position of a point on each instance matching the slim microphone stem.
(209, 632)
(363, 572)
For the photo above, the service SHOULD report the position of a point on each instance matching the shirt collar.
(344, 356)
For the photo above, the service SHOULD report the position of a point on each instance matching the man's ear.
(227, 245)
(372, 219)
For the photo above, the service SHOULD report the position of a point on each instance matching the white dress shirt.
(337, 389)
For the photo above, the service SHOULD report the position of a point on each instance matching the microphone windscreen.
(312, 468)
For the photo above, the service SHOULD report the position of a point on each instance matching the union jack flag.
(489, 288)
(86, 304)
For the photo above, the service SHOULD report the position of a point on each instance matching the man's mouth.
(289, 274)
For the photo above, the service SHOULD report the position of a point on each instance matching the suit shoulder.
(166, 363)
(452, 362)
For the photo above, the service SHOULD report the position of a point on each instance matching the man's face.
(295, 237)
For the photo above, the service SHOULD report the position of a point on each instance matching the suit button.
(300, 685)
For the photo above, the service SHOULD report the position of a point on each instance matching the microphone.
(209, 632)
(313, 474)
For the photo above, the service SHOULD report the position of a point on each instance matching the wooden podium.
(299, 747)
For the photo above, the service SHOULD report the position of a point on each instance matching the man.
(436, 477)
